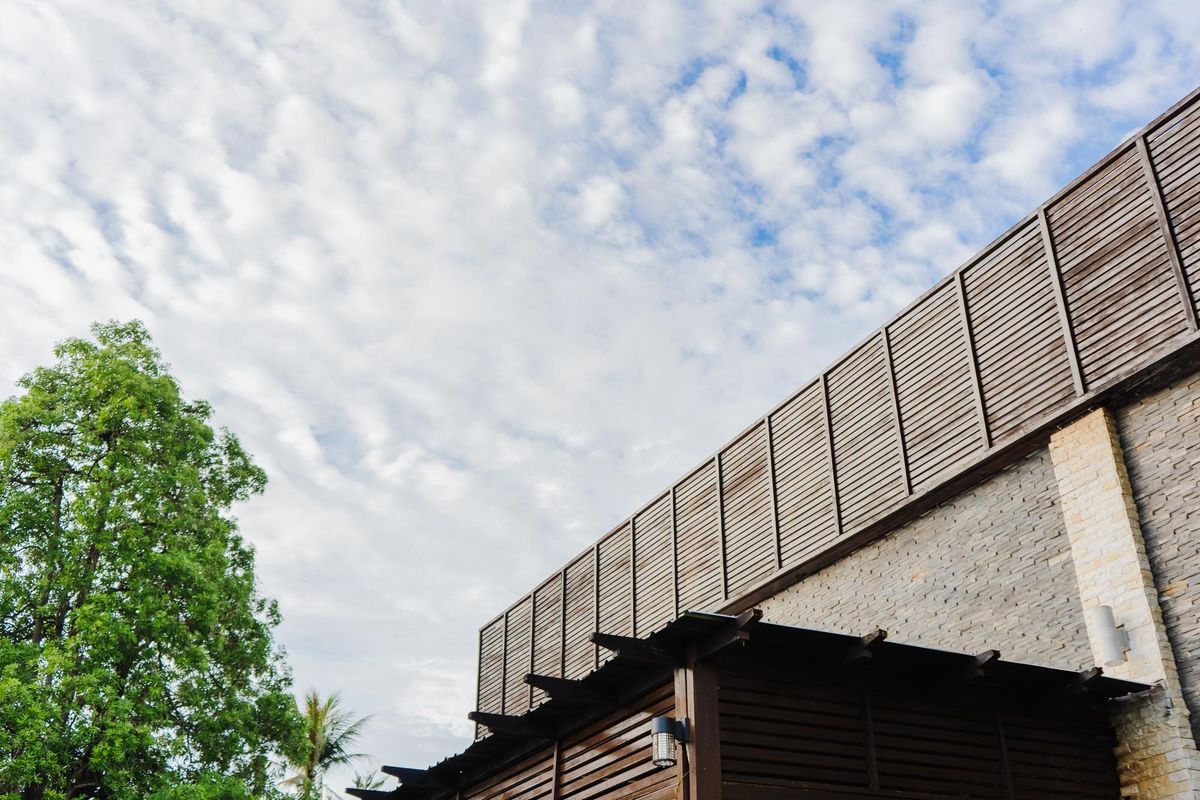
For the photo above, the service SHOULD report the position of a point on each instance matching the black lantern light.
(665, 734)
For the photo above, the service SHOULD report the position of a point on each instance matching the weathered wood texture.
(1098, 283)
(611, 759)
(792, 739)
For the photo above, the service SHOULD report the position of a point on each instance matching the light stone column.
(1156, 754)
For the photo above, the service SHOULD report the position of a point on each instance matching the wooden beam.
(409, 776)
(1164, 227)
(567, 690)
(964, 316)
(976, 668)
(1060, 300)
(862, 649)
(721, 529)
(896, 418)
(732, 634)
(635, 649)
(696, 695)
(774, 495)
(506, 723)
(369, 794)
(832, 456)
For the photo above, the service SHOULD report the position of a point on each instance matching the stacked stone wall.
(1161, 438)
(989, 569)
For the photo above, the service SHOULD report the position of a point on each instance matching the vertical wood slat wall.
(1103, 278)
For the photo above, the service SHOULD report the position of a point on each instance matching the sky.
(475, 280)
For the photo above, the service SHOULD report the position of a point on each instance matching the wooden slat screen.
(866, 440)
(580, 616)
(547, 632)
(655, 567)
(792, 738)
(701, 574)
(529, 779)
(1066, 757)
(934, 382)
(937, 747)
(1019, 340)
(610, 760)
(778, 734)
(748, 509)
(616, 587)
(1099, 282)
(518, 654)
(1122, 297)
(490, 697)
(803, 478)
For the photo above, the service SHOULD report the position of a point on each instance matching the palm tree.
(330, 733)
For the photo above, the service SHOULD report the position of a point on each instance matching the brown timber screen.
(1100, 282)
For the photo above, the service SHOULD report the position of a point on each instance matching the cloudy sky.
(473, 280)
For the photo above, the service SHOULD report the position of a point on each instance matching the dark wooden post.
(696, 700)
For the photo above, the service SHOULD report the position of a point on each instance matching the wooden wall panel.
(529, 779)
(804, 483)
(866, 440)
(580, 617)
(518, 655)
(616, 585)
(1023, 363)
(490, 696)
(778, 734)
(547, 632)
(1071, 755)
(1175, 149)
(610, 760)
(1121, 291)
(749, 511)
(654, 550)
(699, 531)
(931, 360)
(946, 748)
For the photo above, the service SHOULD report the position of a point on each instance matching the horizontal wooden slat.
(655, 569)
(699, 532)
(580, 616)
(547, 632)
(616, 585)
(749, 521)
(518, 657)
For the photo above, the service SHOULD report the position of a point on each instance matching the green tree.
(330, 734)
(136, 655)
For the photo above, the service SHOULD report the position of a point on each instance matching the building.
(964, 561)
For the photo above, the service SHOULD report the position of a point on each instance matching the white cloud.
(474, 281)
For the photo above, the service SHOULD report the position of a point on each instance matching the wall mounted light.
(665, 735)
(1112, 642)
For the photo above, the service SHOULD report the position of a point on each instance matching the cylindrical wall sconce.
(1112, 641)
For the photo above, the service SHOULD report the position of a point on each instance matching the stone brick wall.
(1161, 438)
(989, 569)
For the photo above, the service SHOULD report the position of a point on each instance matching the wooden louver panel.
(1121, 291)
(547, 632)
(517, 657)
(781, 734)
(491, 669)
(616, 586)
(580, 616)
(1068, 756)
(804, 484)
(529, 779)
(699, 531)
(610, 760)
(866, 443)
(1023, 363)
(655, 596)
(749, 519)
(935, 386)
(1175, 149)
(946, 748)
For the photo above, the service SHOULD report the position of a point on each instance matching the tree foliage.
(330, 734)
(136, 655)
